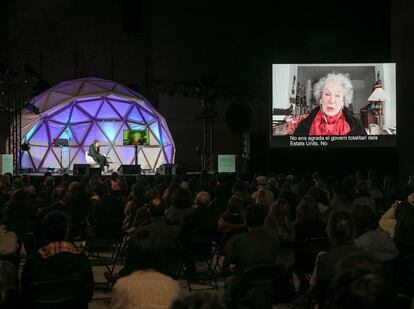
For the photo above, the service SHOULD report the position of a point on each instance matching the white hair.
(339, 79)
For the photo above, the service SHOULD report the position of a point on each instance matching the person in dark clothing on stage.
(94, 153)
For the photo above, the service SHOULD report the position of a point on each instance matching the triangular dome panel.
(136, 126)
(143, 161)
(134, 115)
(147, 116)
(77, 155)
(90, 88)
(111, 129)
(51, 160)
(121, 107)
(156, 132)
(26, 162)
(112, 155)
(169, 152)
(62, 116)
(107, 112)
(79, 116)
(80, 130)
(95, 133)
(165, 137)
(68, 88)
(40, 137)
(55, 130)
(126, 154)
(152, 155)
(91, 107)
(37, 153)
(58, 97)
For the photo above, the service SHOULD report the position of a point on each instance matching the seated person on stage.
(96, 156)
(146, 286)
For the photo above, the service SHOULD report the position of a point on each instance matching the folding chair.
(255, 289)
(62, 294)
(199, 252)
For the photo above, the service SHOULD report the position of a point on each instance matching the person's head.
(260, 198)
(261, 181)
(360, 282)
(277, 218)
(333, 91)
(364, 218)
(141, 253)
(235, 205)
(136, 136)
(58, 194)
(307, 210)
(198, 300)
(114, 176)
(410, 199)
(181, 198)
(96, 143)
(255, 216)
(156, 208)
(202, 199)
(363, 189)
(341, 228)
(55, 226)
(279, 209)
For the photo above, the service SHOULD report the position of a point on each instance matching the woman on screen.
(332, 117)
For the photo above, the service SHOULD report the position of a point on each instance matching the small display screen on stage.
(333, 105)
(136, 137)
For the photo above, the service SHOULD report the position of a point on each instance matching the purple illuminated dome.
(86, 109)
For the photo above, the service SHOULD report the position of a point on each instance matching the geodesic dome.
(86, 109)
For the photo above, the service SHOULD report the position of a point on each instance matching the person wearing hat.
(262, 192)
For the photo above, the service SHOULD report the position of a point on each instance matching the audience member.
(251, 248)
(308, 223)
(181, 206)
(198, 229)
(263, 195)
(341, 232)
(59, 258)
(370, 237)
(19, 216)
(360, 282)
(146, 286)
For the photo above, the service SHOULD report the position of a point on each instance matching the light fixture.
(377, 99)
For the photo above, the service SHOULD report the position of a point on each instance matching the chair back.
(257, 285)
(307, 250)
(65, 293)
(405, 275)
(89, 159)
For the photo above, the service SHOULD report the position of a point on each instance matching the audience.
(175, 219)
